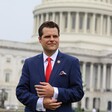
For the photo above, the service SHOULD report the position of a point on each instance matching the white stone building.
(86, 32)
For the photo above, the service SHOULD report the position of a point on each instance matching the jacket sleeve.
(23, 89)
(74, 92)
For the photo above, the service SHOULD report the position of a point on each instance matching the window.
(109, 106)
(94, 100)
(22, 61)
(7, 77)
(87, 103)
(96, 103)
(8, 60)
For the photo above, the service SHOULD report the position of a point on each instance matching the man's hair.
(48, 24)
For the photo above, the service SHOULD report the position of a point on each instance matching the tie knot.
(49, 59)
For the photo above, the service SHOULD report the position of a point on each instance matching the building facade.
(86, 32)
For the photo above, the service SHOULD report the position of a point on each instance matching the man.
(50, 81)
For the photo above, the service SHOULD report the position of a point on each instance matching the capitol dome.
(79, 20)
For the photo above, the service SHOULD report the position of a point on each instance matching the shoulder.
(33, 58)
(69, 57)
(70, 60)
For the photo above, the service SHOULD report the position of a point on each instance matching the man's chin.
(52, 50)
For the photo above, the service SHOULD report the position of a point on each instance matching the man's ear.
(39, 38)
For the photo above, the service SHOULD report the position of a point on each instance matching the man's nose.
(51, 38)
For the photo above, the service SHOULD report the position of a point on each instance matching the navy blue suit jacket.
(66, 76)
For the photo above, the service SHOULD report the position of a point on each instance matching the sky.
(16, 19)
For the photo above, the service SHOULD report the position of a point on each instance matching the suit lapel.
(41, 67)
(57, 66)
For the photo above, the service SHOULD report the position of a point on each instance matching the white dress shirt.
(40, 106)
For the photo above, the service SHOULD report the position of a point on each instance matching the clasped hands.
(46, 91)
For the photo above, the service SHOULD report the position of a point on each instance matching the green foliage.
(79, 110)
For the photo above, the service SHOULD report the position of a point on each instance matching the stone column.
(108, 1)
(53, 16)
(61, 22)
(15, 71)
(101, 25)
(93, 23)
(111, 77)
(68, 22)
(108, 26)
(91, 77)
(77, 22)
(35, 25)
(104, 77)
(42, 18)
(47, 16)
(85, 23)
(99, 77)
(84, 73)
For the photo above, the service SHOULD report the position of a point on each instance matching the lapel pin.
(58, 61)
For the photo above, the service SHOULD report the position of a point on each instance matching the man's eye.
(55, 36)
(47, 37)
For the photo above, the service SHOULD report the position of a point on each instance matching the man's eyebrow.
(51, 35)
(47, 36)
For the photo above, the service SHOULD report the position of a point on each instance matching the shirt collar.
(53, 57)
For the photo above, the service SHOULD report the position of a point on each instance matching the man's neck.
(50, 53)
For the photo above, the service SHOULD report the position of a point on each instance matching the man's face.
(49, 40)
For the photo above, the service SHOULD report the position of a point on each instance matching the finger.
(40, 90)
(53, 100)
(41, 93)
(55, 105)
(44, 83)
(39, 86)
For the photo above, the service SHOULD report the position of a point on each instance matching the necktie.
(48, 69)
